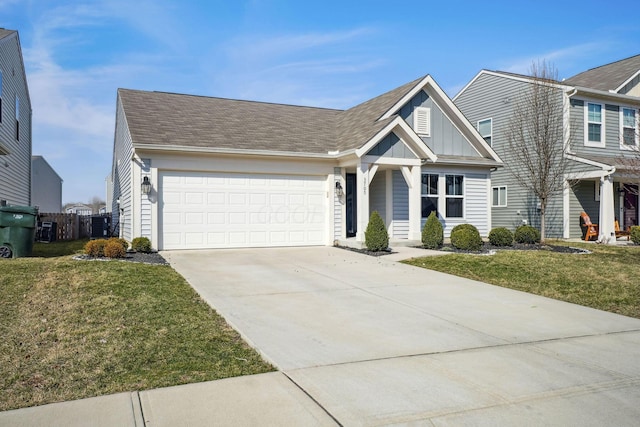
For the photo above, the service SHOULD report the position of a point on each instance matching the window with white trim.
(422, 121)
(429, 194)
(629, 129)
(454, 196)
(485, 128)
(499, 196)
(594, 134)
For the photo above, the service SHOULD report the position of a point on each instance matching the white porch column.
(607, 215)
(415, 204)
(362, 189)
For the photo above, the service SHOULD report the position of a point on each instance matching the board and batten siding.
(445, 138)
(15, 168)
(400, 206)
(121, 173)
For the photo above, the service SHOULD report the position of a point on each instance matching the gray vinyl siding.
(378, 195)
(337, 206)
(630, 86)
(400, 206)
(391, 146)
(582, 199)
(15, 168)
(445, 138)
(123, 149)
(493, 97)
(46, 186)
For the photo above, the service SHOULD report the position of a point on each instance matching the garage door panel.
(219, 210)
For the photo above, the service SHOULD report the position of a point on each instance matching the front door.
(630, 206)
(352, 203)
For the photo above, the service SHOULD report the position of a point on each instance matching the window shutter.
(422, 121)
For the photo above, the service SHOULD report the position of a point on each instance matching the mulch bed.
(487, 249)
(139, 257)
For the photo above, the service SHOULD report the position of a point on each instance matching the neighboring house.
(46, 186)
(600, 116)
(79, 209)
(225, 173)
(15, 123)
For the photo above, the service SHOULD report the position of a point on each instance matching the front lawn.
(607, 279)
(74, 329)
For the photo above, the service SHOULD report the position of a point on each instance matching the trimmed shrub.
(141, 244)
(466, 237)
(635, 234)
(501, 236)
(432, 232)
(526, 234)
(95, 248)
(113, 249)
(121, 242)
(376, 237)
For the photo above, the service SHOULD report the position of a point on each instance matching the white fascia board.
(602, 166)
(417, 88)
(233, 151)
(525, 79)
(595, 93)
(627, 81)
(400, 126)
(476, 77)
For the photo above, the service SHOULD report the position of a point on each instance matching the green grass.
(74, 329)
(606, 279)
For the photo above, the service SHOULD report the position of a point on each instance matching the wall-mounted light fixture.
(339, 191)
(146, 185)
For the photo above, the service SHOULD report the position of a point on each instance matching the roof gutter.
(604, 94)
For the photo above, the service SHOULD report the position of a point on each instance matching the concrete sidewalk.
(368, 341)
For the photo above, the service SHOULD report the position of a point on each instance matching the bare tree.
(535, 138)
(96, 203)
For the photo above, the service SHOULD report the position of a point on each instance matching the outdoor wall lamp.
(146, 185)
(339, 191)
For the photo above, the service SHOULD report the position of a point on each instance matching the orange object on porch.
(592, 229)
(622, 233)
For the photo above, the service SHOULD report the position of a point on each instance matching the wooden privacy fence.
(69, 226)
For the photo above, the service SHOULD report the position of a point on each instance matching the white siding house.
(225, 173)
(15, 123)
(46, 186)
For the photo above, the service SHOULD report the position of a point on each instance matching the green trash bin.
(17, 230)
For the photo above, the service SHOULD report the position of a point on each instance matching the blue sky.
(319, 53)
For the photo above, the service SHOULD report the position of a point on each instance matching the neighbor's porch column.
(362, 189)
(607, 214)
(415, 203)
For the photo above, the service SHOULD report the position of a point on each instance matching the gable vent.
(422, 121)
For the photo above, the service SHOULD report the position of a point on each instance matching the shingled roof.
(4, 32)
(607, 77)
(160, 118)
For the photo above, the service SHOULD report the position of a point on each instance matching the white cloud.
(560, 58)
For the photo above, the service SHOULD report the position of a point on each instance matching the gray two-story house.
(599, 110)
(15, 123)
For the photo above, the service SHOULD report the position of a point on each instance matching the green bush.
(526, 234)
(376, 237)
(466, 237)
(141, 244)
(121, 242)
(501, 236)
(113, 249)
(635, 234)
(95, 248)
(432, 232)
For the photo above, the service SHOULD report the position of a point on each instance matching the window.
(485, 127)
(594, 133)
(429, 194)
(422, 121)
(454, 196)
(629, 130)
(17, 118)
(499, 197)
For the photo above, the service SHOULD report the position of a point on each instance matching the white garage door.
(223, 210)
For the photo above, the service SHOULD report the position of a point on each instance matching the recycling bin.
(17, 230)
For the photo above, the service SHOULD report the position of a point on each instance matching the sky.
(326, 53)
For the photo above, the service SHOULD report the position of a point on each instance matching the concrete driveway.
(376, 342)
